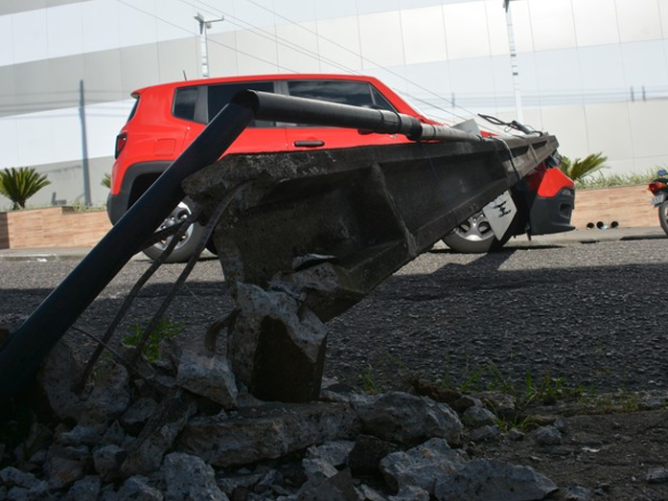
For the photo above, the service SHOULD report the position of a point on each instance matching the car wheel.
(188, 243)
(475, 236)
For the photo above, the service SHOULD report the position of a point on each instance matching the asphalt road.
(592, 314)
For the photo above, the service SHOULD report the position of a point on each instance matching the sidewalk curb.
(584, 237)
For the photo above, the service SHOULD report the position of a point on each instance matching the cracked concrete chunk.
(481, 480)
(483, 434)
(277, 345)
(107, 461)
(407, 419)
(13, 477)
(577, 493)
(158, 435)
(475, 417)
(57, 377)
(657, 476)
(137, 487)
(207, 376)
(80, 435)
(109, 398)
(85, 489)
(63, 472)
(420, 466)
(136, 416)
(335, 453)
(410, 493)
(367, 453)
(188, 477)
(548, 435)
(266, 432)
(338, 487)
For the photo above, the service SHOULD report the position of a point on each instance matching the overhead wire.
(279, 40)
(210, 40)
(394, 73)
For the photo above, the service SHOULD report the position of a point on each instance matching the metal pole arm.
(277, 107)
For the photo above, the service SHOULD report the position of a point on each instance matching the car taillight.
(655, 186)
(121, 141)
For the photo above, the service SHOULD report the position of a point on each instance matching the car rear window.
(220, 95)
(184, 102)
(340, 91)
(134, 108)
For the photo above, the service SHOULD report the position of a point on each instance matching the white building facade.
(593, 72)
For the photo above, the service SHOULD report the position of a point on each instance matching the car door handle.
(309, 143)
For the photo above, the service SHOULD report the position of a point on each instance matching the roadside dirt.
(611, 455)
(586, 313)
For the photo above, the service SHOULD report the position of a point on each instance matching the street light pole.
(204, 25)
(513, 62)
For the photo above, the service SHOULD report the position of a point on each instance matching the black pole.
(31, 342)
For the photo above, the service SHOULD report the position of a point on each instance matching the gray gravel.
(593, 314)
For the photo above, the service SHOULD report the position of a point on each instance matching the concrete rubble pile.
(201, 435)
(251, 420)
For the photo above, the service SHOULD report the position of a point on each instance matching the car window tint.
(220, 95)
(339, 91)
(184, 103)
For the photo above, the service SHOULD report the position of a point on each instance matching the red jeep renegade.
(167, 118)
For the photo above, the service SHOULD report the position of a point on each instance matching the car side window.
(185, 100)
(220, 95)
(340, 91)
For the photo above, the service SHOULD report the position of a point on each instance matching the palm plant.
(580, 168)
(106, 180)
(20, 184)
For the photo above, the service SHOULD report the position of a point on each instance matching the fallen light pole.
(474, 171)
(317, 231)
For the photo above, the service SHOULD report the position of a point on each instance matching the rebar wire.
(208, 230)
(120, 358)
(214, 330)
(162, 235)
(184, 225)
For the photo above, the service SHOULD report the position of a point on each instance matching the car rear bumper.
(553, 214)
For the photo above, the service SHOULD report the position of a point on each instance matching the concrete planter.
(51, 227)
(627, 206)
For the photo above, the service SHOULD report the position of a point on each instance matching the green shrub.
(612, 180)
(580, 168)
(106, 181)
(165, 329)
(20, 184)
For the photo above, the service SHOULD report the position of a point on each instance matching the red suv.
(167, 118)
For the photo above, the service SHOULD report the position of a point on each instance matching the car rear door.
(352, 92)
(261, 136)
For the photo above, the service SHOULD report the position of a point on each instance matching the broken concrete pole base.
(276, 346)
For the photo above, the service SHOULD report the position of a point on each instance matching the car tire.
(188, 244)
(211, 247)
(475, 236)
